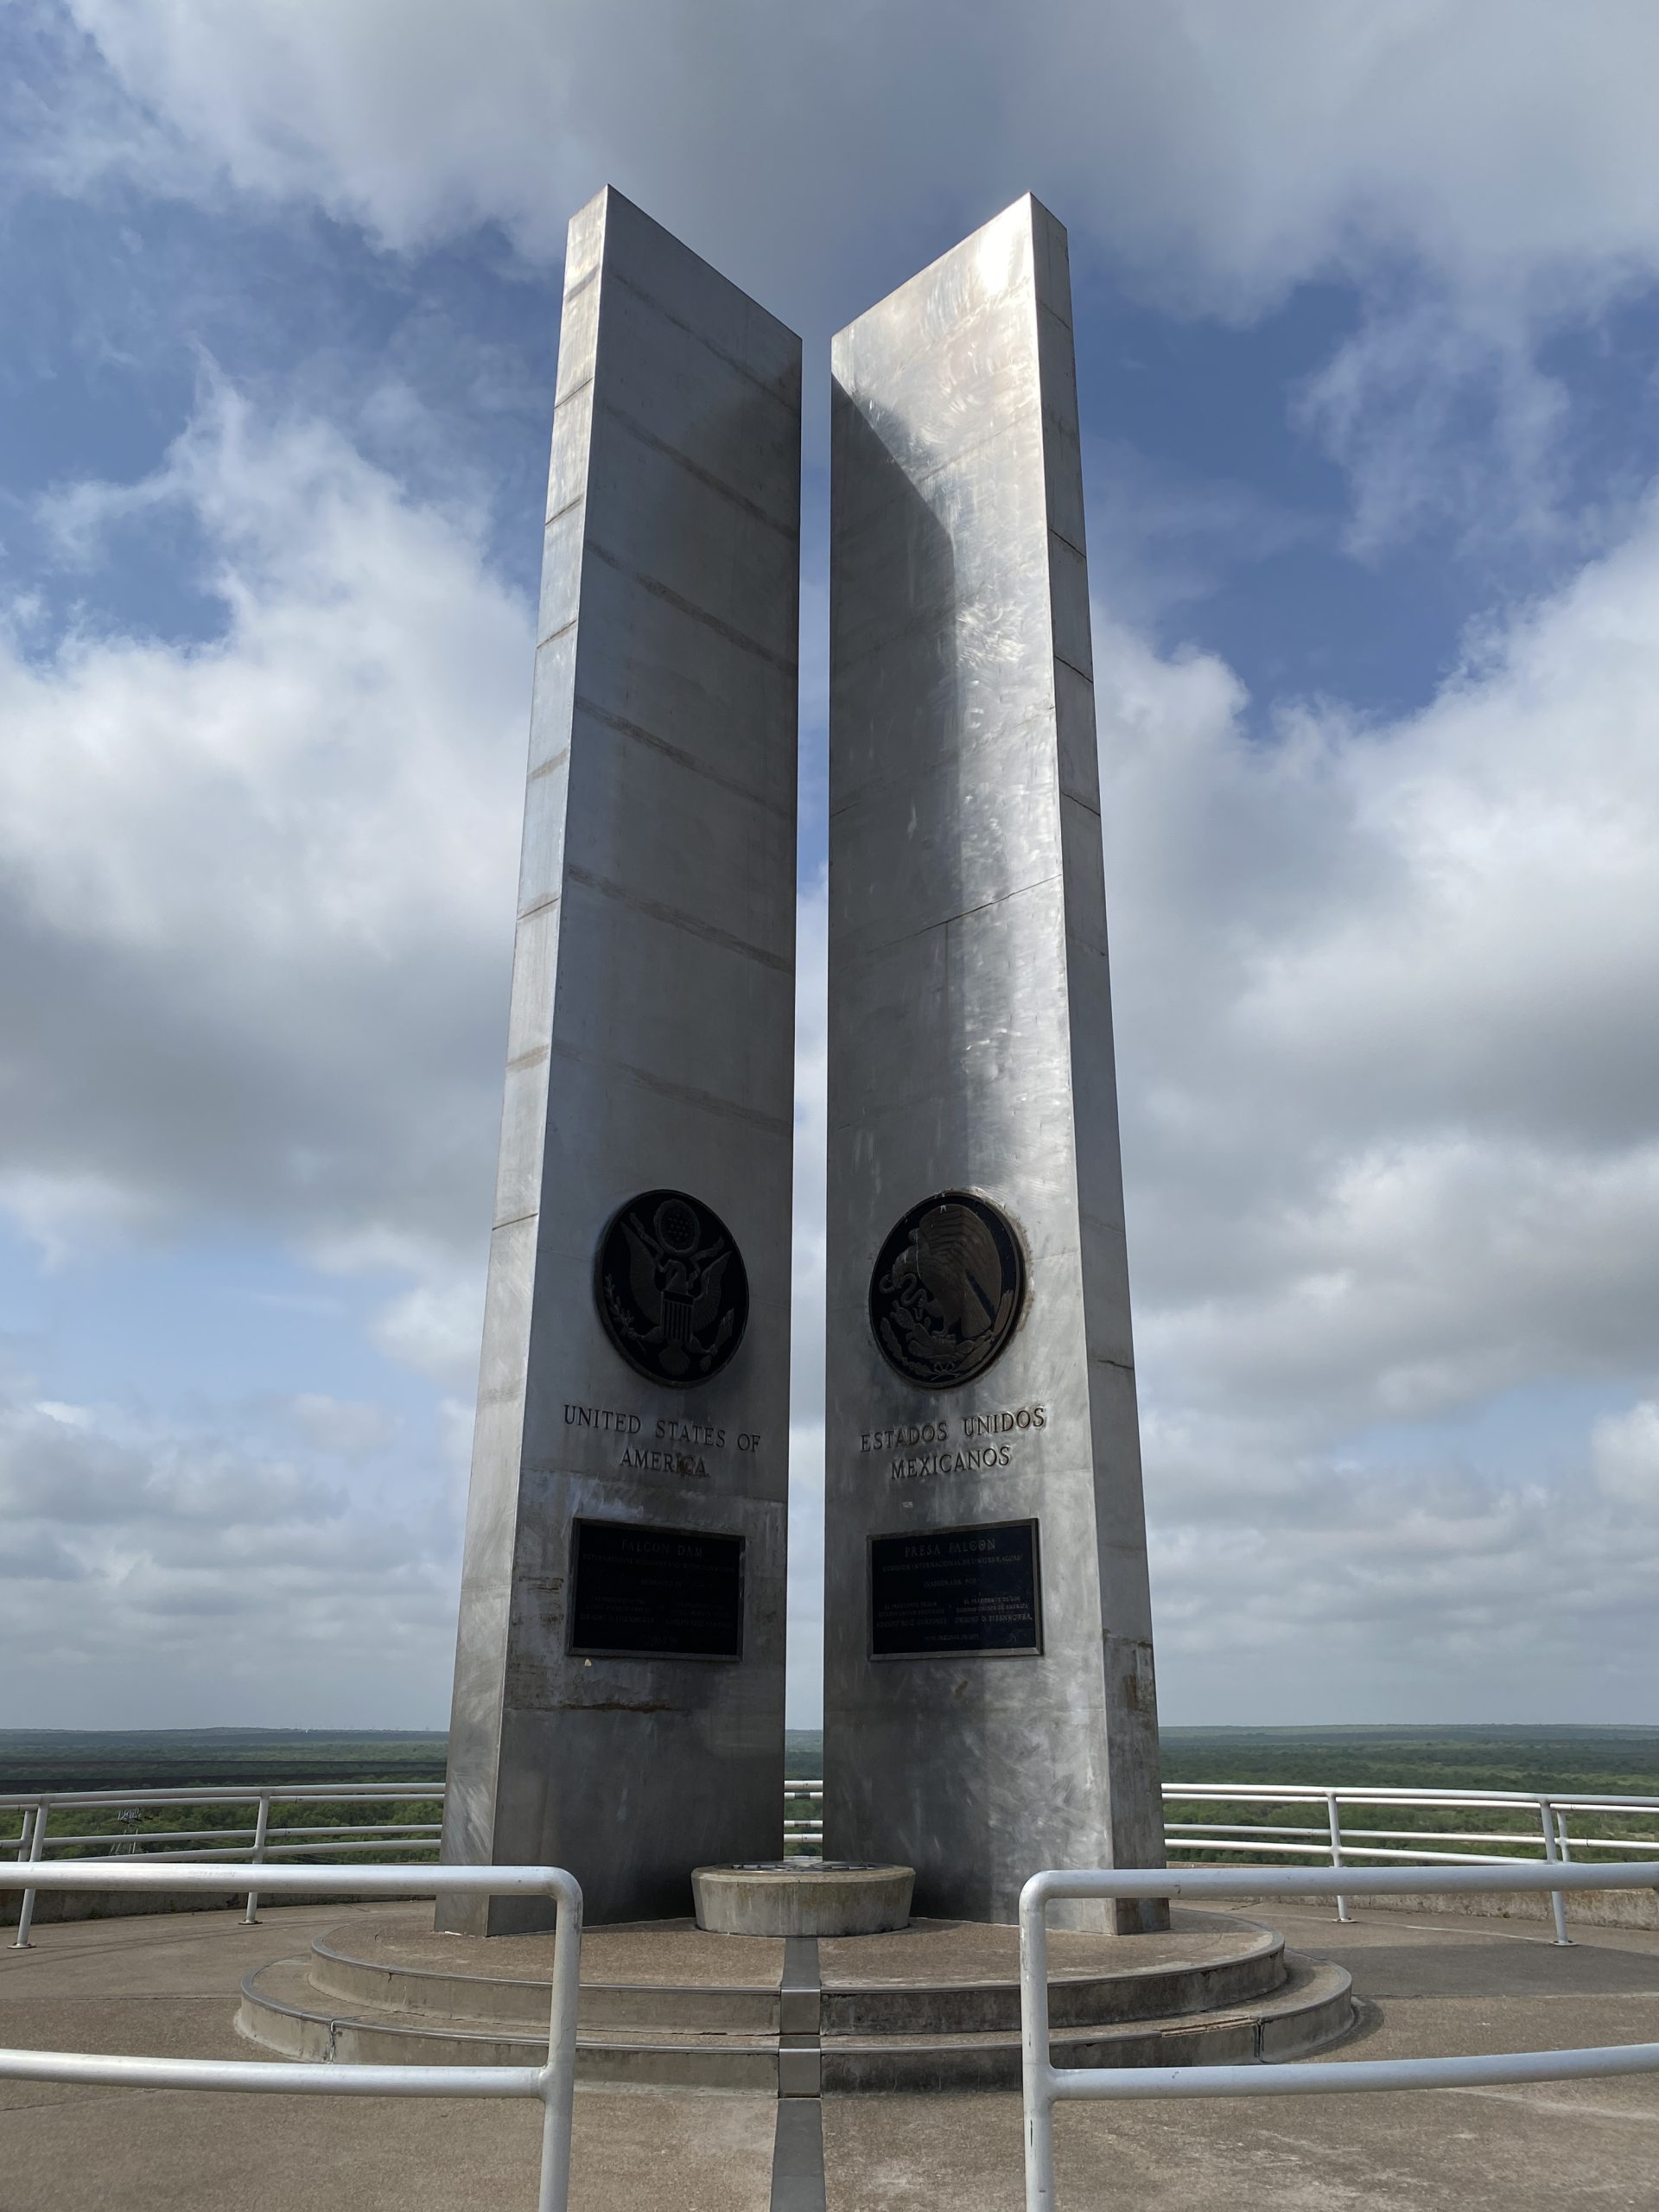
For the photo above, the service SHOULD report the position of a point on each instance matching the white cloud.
(343, 1426)
(257, 903)
(1236, 151)
(152, 1566)
(1390, 1086)
(1383, 988)
(1392, 1151)
(1625, 1452)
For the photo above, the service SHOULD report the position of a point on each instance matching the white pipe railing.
(1339, 1845)
(1044, 2084)
(1326, 1838)
(552, 2085)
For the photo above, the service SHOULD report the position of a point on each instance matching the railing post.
(261, 1830)
(36, 1845)
(1038, 2105)
(1344, 1910)
(1553, 1854)
(559, 2077)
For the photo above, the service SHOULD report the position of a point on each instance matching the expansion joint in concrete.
(798, 2145)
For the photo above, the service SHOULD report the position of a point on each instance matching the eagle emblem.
(670, 1287)
(947, 1290)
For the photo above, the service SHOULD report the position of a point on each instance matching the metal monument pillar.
(620, 1668)
(989, 1692)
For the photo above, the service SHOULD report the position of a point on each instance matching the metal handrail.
(1550, 1809)
(1044, 2084)
(1332, 1842)
(553, 2084)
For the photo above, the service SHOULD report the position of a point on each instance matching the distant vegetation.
(182, 1758)
(1586, 1760)
(1582, 1760)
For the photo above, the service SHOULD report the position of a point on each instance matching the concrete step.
(511, 2002)
(933, 1977)
(1312, 2007)
(282, 2010)
(1233, 1962)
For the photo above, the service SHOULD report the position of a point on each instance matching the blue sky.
(1368, 321)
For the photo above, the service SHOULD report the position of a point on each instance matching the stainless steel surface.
(971, 1047)
(651, 1044)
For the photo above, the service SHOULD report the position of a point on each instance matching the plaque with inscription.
(947, 1289)
(670, 1284)
(945, 1593)
(655, 1594)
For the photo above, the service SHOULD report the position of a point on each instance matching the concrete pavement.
(168, 1985)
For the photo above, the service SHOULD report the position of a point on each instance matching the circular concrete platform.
(934, 2005)
(803, 1896)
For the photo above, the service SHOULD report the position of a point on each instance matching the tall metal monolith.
(989, 1704)
(620, 1668)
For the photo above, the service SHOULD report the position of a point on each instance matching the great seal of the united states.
(670, 1287)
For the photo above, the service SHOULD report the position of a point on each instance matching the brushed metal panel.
(971, 1047)
(650, 1044)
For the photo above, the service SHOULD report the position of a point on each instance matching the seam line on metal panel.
(993, 303)
(563, 629)
(526, 913)
(740, 499)
(914, 479)
(565, 397)
(925, 928)
(687, 760)
(688, 1093)
(568, 508)
(511, 1220)
(527, 1059)
(582, 282)
(1070, 543)
(678, 918)
(851, 659)
(1087, 674)
(723, 629)
(708, 345)
(547, 767)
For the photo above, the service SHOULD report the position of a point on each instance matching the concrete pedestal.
(934, 2005)
(803, 1896)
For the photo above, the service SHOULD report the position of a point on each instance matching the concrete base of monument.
(933, 2006)
(803, 1896)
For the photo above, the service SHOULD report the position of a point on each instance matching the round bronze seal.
(670, 1287)
(946, 1290)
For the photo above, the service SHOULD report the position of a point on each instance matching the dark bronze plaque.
(946, 1290)
(945, 1592)
(650, 1593)
(670, 1287)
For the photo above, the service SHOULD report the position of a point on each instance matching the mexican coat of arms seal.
(947, 1290)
